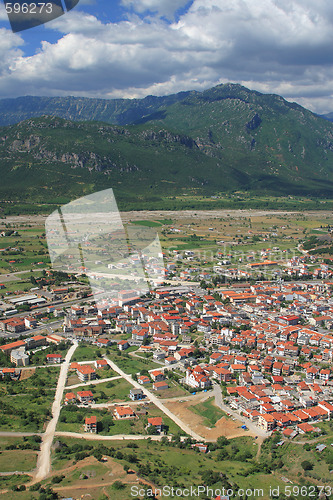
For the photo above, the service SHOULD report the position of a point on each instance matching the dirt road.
(19, 434)
(154, 399)
(92, 382)
(116, 437)
(44, 457)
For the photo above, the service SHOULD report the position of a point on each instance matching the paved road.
(156, 401)
(93, 382)
(44, 457)
(250, 425)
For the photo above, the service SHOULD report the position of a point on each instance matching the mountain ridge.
(220, 140)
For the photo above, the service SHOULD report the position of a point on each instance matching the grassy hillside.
(219, 141)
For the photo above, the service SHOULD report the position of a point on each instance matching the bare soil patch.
(93, 483)
(223, 427)
(27, 373)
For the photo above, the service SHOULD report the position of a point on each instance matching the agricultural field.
(234, 231)
(23, 245)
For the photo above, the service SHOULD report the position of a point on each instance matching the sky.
(134, 48)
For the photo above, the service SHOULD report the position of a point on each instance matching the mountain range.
(223, 139)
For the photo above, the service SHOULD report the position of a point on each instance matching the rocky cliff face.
(226, 138)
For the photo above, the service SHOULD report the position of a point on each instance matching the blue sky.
(132, 48)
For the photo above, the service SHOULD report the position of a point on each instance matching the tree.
(221, 441)
(307, 465)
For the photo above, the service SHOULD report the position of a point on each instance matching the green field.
(86, 352)
(131, 364)
(147, 223)
(27, 248)
(26, 405)
(209, 411)
(114, 390)
(23, 461)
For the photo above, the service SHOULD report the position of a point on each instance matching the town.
(250, 341)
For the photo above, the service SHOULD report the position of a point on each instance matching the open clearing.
(223, 427)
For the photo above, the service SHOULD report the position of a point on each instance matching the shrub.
(307, 465)
(118, 485)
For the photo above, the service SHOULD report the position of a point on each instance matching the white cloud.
(276, 46)
(166, 8)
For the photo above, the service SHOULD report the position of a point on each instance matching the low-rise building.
(86, 373)
(70, 398)
(136, 394)
(54, 358)
(85, 397)
(19, 357)
(90, 424)
(124, 412)
(159, 386)
(155, 422)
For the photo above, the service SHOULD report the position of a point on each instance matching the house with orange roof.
(54, 358)
(90, 424)
(159, 386)
(8, 348)
(266, 422)
(157, 375)
(215, 357)
(304, 427)
(289, 433)
(155, 422)
(328, 407)
(143, 379)
(302, 417)
(70, 398)
(324, 374)
(85, 397)
(124, 412)
(222, 374)
(85, 373)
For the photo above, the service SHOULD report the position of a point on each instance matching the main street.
(44, 457)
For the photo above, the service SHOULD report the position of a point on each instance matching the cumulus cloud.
(278, 46)
(166, 8)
